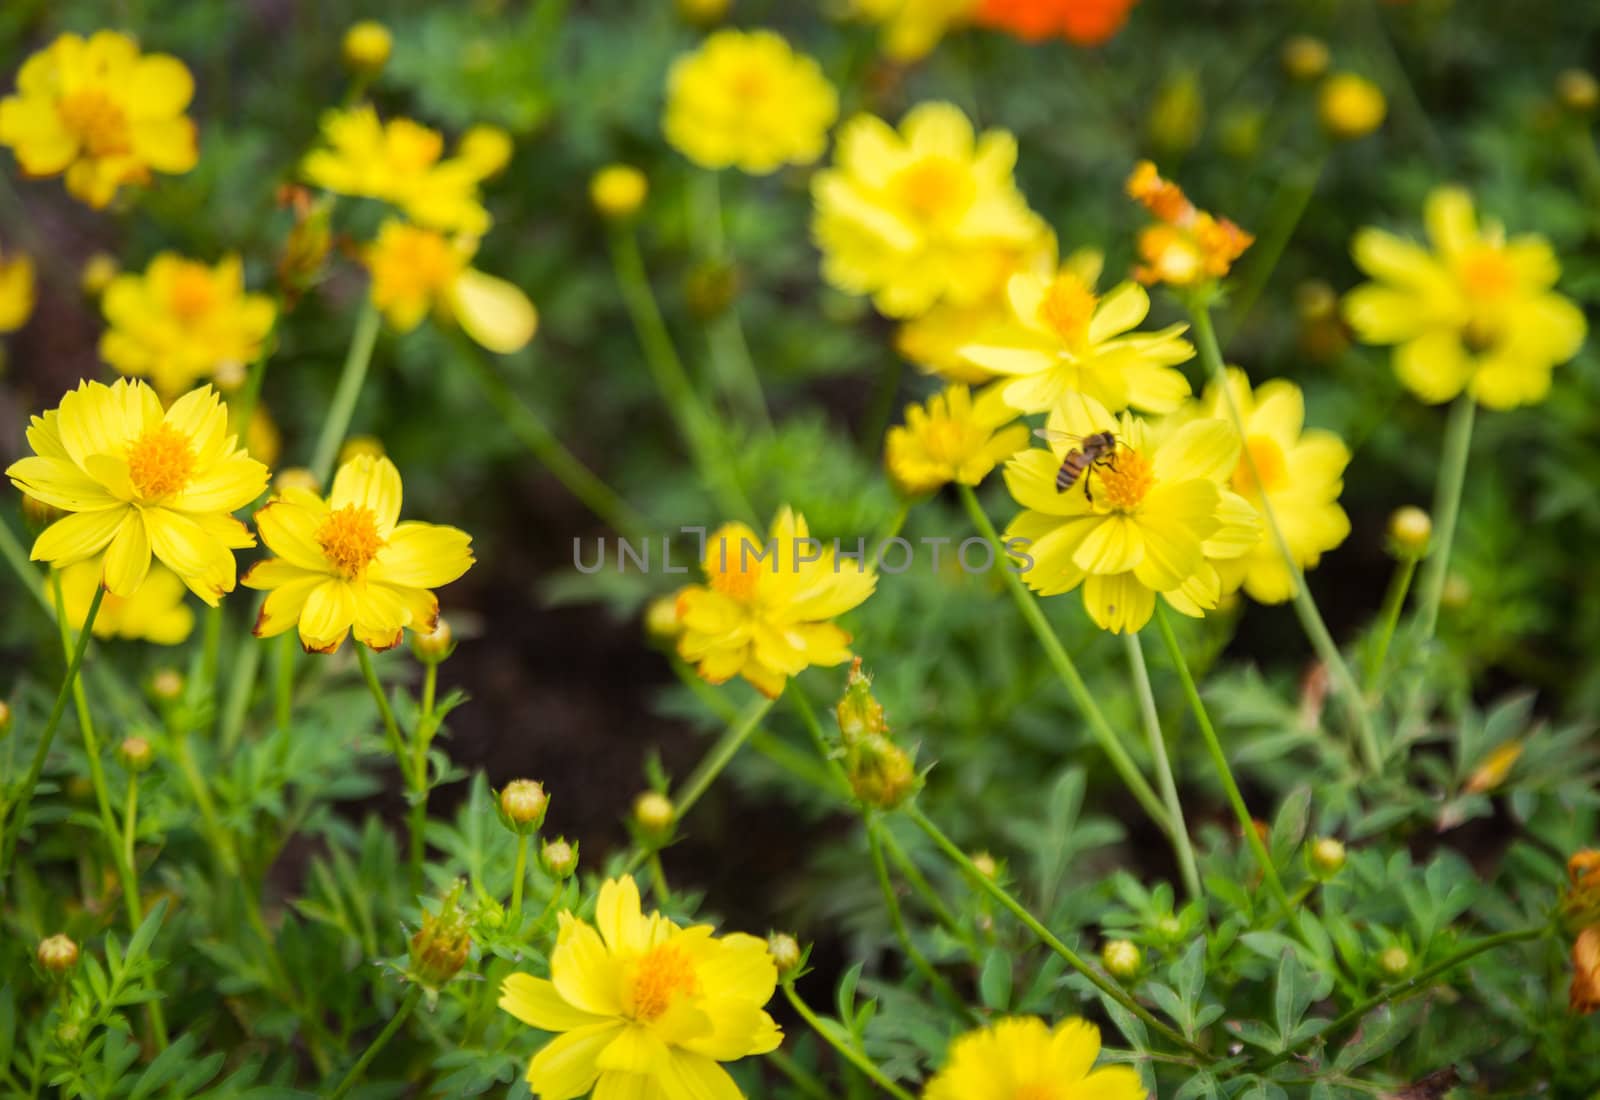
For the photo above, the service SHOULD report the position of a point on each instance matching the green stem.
(808, 718)
(1388, 620)
(1586, 164)
(221, 843)
(802, 1078)
(924, 889)
(241, 685)
(897, 920)
(1045, 936)
(1288, 207)
(130, 827)
(210, 647)
(16, 556)
(534, 434)
(250, 394)
(1305, 606)
(1410, 985)
(348, 391)
(413, 995)
(397, 745)
(1241, 812)
(18, 807)
(1028, 604)
(658, 880)
(283, 656)
(848, 1053)
(672, 381)
(730, 354)
(519, 874)
(1446, 509)
(1158, 750)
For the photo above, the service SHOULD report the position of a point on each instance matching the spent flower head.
(442, 946)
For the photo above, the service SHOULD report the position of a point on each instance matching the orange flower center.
(1123, 487)
(1486, 274)
(160, 462)
(416, 263)
(1067, 307)
(1270, 466)
(735, 576)
(1038, 1091)
(934, 189)
(349, 538)
(661, 975)
(99, 124)
(192, 294)
(749, 83)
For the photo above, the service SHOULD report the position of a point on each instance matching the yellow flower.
(748, 101)
(156, 613)
(618, 190)
(765, 611)
(952, 438)
(182, 321)
(99, 111)
(348, 562)
(1301, 473)
(1068, 339)
(1188, 246)
(1350, 106)
(1153, 517)
(1476, 314)
(402, 163)
(909, 216)
(140, 482)
(644, 1009)
(1022, 1058)
(912, 28)
(416, 271)
(16, 290)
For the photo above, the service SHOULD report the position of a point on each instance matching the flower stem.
(1305, 606)
(534, 434)
(1045, 936)
(846, 1051)
(519, 874)
(283, 680)
(1028, 604)
(730, 355)
(1446, 509)
(1158, 750)
(897, 920)
(348, 391)
(18, 807)
(397, 745)
(1288, 207)
(1388, 620)
(17, 557)
(413, 995)
(1241, 812)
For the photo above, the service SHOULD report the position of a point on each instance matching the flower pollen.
(1486, 274)
(1067, 307)
(1271, 466)
(192, 295)
(1037, 1091)
(160, 462)
(349, 538)
(1124, 485)
(99, 123)
(733, 573)
(934, 188)
(660, 976)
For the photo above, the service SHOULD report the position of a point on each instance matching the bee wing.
(1054, 436)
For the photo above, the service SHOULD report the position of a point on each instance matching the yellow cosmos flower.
(764, 612)
(156, 613)
(644, 1009)
(912, 28)
(99, 111)
(748, 101)
(347, 562)
(140, 482)
(16, 291)
(1067, 339)
(182, 321)
(1476, 314)
(416, 271)
(1301, 473)
(1022, 1058)
(1154, 516)
(910, 216)
(402, 163)
(952, 438)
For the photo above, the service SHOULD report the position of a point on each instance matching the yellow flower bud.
(986, 865)
(1122, 958)
(523, 804)
(1395, 961)
(558, 858)
(98, 271)
(58, 954)
(135, 754)
(1327, 856)
(1410, 531)
(487, 149)
(785, 952)
(618, 190)
(1169, 927)
(661, 618)
(441, 947)
(1351, 106)
(1457, 592)
(1578, 91)
(367, 46)
(653, 813)
(703, 12)
(435, 646)
(296, 477)
(1305, 58)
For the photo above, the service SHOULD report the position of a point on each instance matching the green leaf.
(1289, 826)
(1380, 1032)
(994, 981)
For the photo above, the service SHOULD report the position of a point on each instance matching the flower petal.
(495, 313)
(566, 1067)
(536, 1003)
(422, 555)
(80, 535)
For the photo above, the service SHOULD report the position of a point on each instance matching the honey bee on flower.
(101, 113)
(347, 563)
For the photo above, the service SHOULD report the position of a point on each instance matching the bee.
(1099, 449)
